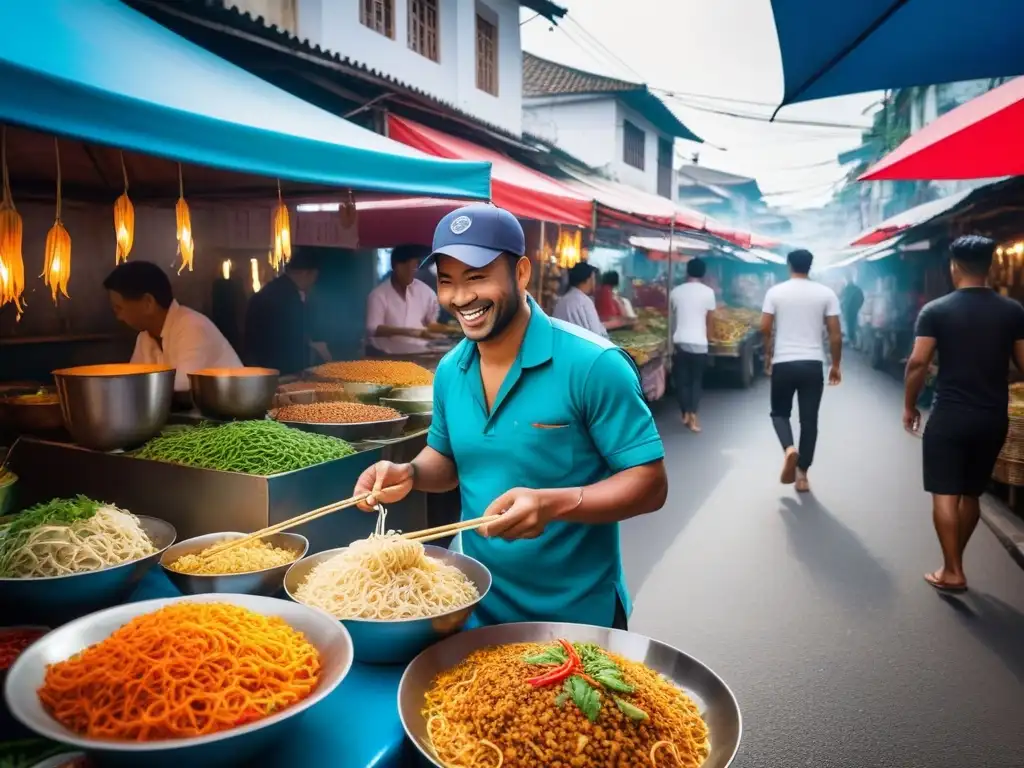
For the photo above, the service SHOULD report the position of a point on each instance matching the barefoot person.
(537, 421)
(976, 333)
(795, 314)
(691, 305)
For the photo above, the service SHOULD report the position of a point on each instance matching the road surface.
(814, 609)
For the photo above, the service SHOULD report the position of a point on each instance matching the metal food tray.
(356, 431)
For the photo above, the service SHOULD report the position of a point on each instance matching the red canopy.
(521, 190)
(978, 140)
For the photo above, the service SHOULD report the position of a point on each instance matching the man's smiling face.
(483, 300)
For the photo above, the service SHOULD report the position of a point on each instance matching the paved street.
(814, 610)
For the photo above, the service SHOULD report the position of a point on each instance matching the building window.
(486, 55)
(423, 28)
(378, 15)
(665, 149)
(633, 144)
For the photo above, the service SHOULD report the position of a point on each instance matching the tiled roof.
(544, 78)
(224, 14)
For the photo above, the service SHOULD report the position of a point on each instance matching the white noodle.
(386, 577)
(110, 537)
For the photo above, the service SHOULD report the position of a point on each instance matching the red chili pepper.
(554, 676)
(571, 653)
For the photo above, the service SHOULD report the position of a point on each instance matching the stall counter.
(357, 726)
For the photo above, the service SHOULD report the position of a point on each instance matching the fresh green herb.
(28, 752)
(551, 656)
(563, 697)
(586, 698)
(55, 512)
(612, 680)
(599, 666)
(633, 713)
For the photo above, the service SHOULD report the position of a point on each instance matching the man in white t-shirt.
(691, 305)
(794, 316)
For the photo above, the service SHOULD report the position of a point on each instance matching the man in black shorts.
(976, 333)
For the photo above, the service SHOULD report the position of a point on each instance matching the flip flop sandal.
(942, 586)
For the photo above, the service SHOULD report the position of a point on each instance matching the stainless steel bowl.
(418, 421)
(106, 407)
(232, 747)
(396, 642)
(54, 600)
(234, 393)
(406, 405)
(27, 416)
(717, 704)
(266, 582)
(364, 430)
(365, 392)
(413, 393)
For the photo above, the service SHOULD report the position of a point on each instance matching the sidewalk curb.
(1007, 527)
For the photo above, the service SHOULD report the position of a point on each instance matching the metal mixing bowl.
(717, 704)
(232, 747)
(396, 642)
(106, 407)
(234, 393)
(365, 392)
(356, 431)
(413, 393)
(266, 582)
(406, 405)
(53, 600)
(21, 413)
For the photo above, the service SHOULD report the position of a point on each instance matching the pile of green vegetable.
(14, 530)
(249, 447)
(28, 752)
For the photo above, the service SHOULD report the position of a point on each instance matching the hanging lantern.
(124, 221)
(281, 249)
(186, 245)
(254, 266)
(570, 250)
(12, 266)
(57, 260)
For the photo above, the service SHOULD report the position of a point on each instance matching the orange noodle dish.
(190, 669)
(528, 705)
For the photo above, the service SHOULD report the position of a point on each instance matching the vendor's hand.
(524, 513)
(911, 420)
(397, 479)
(835, 376)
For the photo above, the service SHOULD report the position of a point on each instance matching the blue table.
(357, 726)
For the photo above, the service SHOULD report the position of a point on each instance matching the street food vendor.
(576, 305)
(402, 312)
(169, 334)
(277, 321)
(609, 301)
(538, 423)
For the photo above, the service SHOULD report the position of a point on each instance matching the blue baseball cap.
(477, 234)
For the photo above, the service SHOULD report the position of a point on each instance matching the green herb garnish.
(633, 713)
(55, 512)
(551, 656)
(584, 696)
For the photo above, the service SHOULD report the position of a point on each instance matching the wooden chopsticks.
(291, 523)
(441, 531)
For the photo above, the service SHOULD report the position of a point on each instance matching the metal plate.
(716, 702)
(231, 747)
(365, 430)
(53, 600)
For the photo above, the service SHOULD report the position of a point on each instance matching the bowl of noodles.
(197, 567)
(494, 696)
(395, 596)
(67, 557)
(204, 680)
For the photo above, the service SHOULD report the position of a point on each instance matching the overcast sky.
(720, 48)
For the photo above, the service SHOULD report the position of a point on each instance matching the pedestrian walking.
(691, 305)
(851, 300)
(795, 315)
(976, 333)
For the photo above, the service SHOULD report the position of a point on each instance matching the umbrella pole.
(668, 292)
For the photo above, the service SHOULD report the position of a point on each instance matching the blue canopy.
(99, 71)
(837, 47)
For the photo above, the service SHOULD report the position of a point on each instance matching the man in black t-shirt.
(977, 333)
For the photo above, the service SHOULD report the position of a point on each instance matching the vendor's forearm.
(916, 374)
(630, 493)
(433, 472)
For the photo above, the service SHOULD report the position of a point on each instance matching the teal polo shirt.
(570, 412)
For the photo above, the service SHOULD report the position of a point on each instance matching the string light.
(225, 269)
(255, 265)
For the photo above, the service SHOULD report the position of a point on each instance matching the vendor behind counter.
(402, 312)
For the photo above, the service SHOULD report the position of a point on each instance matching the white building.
(614, 125)
(466, 53)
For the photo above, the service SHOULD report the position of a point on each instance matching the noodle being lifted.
(528, 705)
(68, 536)
(190, 669)
(388, 578)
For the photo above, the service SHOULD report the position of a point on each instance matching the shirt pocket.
(546, 450)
